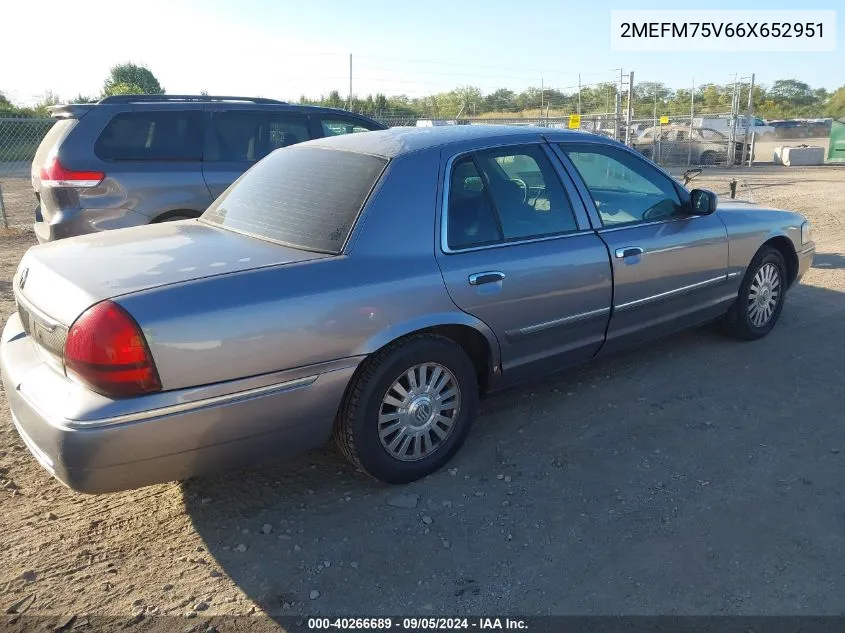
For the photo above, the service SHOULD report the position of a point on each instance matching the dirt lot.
(698, 475)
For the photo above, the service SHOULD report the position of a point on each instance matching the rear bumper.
(72, 222)
(166, 443)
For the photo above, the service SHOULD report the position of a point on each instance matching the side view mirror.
(703, 201)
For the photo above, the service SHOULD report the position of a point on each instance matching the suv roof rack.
(178, 98)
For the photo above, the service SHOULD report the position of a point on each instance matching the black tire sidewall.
(767, 256)
(372, 455)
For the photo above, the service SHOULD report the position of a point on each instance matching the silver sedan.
(371, 287)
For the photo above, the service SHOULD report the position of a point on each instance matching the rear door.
(670, 268)
(237, 138)
(516, 251)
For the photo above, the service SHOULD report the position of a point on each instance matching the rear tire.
(708, 158)
(760, 299)
(371, 432)
(173, 218)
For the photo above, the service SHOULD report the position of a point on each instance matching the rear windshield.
(304, 197)
(152, 135)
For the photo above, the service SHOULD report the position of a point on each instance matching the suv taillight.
(106, 351)
(54, 174)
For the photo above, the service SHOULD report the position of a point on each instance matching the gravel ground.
(697, 475)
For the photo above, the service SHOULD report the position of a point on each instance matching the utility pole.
(617, 132)
(349, 102)
(691, 119)
(579, 93)
(542, 94)
(748, 121)
(630, 113)
(734, 115)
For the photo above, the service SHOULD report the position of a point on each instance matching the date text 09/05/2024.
(416, 624)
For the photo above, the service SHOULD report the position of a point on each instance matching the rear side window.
(506, 194)
(248, 136)
(303, 197)
(338, 126)
(152, 135)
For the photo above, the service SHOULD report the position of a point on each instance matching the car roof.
(398, 141)
(138, 102)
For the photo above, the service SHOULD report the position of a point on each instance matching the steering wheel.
(524, 188)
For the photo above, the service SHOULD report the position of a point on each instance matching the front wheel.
(408, 409)
(760, 299)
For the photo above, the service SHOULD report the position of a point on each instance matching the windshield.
(711, 135)
(304, 197)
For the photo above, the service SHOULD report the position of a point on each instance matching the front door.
(517, 252)
(670, 267)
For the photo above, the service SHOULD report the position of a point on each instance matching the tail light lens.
(54, 174)
(106, 351)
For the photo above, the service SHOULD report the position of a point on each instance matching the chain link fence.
(19, 139)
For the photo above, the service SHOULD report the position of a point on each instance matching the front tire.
(408, 409)
(760, 300)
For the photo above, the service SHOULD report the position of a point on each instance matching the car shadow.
(660, 480)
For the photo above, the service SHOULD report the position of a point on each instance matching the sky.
(283, 49)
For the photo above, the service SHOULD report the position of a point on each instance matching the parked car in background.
(371, 286)
(755, 125)
(680, 145)
(135, 159)
(789, 129)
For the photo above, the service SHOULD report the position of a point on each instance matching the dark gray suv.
(135, 159)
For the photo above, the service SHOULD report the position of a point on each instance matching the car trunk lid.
(58, 281)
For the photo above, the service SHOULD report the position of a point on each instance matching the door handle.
(628, 251)
(488, 277)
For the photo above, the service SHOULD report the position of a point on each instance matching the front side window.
(338, 126)
(625, 189)
(304, 197)
(174, 135)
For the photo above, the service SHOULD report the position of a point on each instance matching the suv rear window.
(152, 135)
(304, 197)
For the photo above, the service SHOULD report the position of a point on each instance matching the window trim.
(587, 199)
(504, 243)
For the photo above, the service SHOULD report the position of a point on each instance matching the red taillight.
(54, 174)
(106, 350)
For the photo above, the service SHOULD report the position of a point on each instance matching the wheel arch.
(786, 248)
(473, 336)
(164, 217)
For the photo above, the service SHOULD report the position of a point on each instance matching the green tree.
(49, 98)
(835, 106)
(130, 78)
(791, 92)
